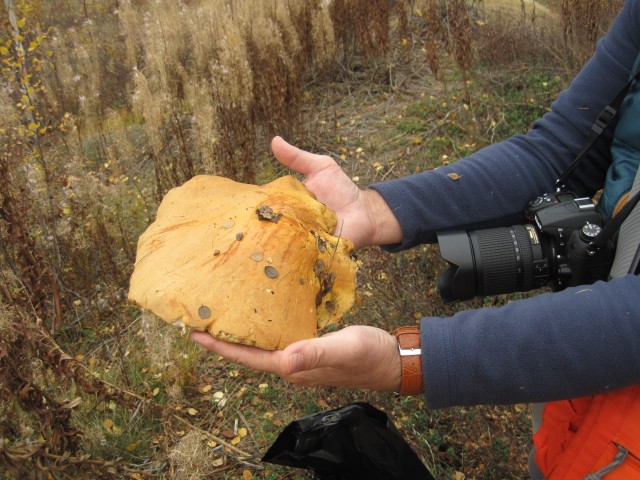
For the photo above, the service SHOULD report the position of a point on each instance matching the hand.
(354, 357)
(363, 215)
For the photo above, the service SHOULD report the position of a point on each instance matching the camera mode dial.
(590, 231)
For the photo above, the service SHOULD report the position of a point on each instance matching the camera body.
(557, 248)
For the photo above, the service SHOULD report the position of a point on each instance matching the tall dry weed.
(583, 23)
(361, 25)
(232, 88)
(447, 31)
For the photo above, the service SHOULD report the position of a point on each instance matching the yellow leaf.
(247, 475)
(205, 388)
(212, 444)
(108, 423)
(192, 411)
(242, 432)
(133, 446)
(4, 50)
(21, 23)
(156, 391)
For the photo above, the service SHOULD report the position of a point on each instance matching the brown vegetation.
(107, 104)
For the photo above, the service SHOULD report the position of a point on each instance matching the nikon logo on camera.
(533, 235)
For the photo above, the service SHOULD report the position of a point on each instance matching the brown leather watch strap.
(410, 360)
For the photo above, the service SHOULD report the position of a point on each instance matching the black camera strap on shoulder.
(605, 118)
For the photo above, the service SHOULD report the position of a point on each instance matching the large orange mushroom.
(257, 265)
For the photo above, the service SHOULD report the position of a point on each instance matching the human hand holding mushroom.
(355, 357)
(211, 234)
(363, 215)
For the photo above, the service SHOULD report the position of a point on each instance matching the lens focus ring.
(504, 260)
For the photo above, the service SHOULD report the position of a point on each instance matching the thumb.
(299, 160)
(306, 355)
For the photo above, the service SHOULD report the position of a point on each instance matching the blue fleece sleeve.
(567, 344)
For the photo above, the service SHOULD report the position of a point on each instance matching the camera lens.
(492, 261)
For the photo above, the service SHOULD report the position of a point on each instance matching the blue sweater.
(572, 343)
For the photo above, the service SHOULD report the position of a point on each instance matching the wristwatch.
(410, 360)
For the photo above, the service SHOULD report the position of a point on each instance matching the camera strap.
(612, 227)
(602, 122)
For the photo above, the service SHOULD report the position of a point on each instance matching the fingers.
(251, 357)
(298, 160)
(300, 357)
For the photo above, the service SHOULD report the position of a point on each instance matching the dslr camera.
(556, 249)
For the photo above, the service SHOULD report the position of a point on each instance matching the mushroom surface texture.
(257, 265)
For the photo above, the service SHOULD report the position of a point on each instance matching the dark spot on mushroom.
(204, 312)
(266, 213)
(270, 271)
(330, 306)
(239, 236)
(216, 252)
(318, 267)
(322, 245)
(301, 281)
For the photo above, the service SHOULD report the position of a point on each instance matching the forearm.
(567, 344)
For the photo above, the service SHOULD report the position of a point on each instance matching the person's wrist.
(386, 229)
(409, 349)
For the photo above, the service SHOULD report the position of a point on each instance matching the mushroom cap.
(257, 265)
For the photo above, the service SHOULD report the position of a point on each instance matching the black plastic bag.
(353, 442)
